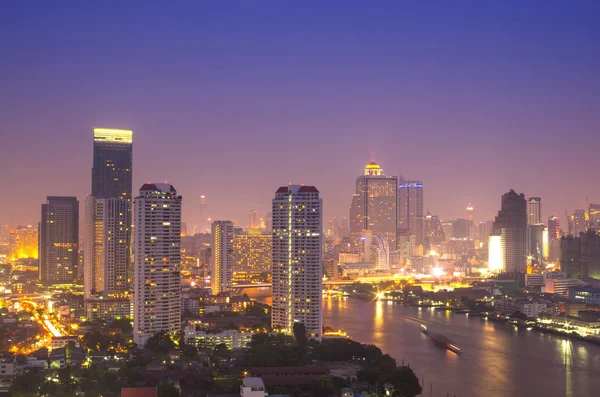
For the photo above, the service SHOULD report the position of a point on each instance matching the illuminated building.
(107, 253)
(375, 250)
(410, 210)
(59, 240)
(554, 232)
(373, 206)
(252, 252)
(157, 252)
(561, 286)
(203, 226)
(483, 230)
(534, 210)
(107, 308)
(470, 211)
(221, 277)
(594, 215)
(434, 233)
(537, 243)
(578, 223)
(297, 259)
(231, 338)
(508, 239)
(253, 220)
(23, 243)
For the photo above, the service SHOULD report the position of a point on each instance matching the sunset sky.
(233, 99)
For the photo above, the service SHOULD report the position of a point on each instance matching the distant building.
(534, 210)
(530, 308)
(221, 278)
(462, 228)
(537, 243)
(580, 256)
(252, 252)
(253, 220)
(376, 250)
(590, 295)
(253, 387)
(554, 231)
(560, 286)
(157, 250)
(410, 209)
(508, 240)
(578, 222)
(594, 215)
(297, 265)
(23, 243)
(232, 338)
(107, 308)
(539, 279)
(434, 233)
(373, 206)
(59, 240)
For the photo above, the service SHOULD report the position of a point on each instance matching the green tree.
(323, 387)
(160, 343)
(167, 390)
(300, 334)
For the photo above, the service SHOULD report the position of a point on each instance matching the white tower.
(157, 251)
(297, 259)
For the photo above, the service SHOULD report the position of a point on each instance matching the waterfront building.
(539, 279)
(589, 295)
(373, 206)
(107, 253)
(232, 338)
(534, 210)
(410, 210)
(507, 241)
(59, 240)
(23, 243)
(532, 309)
(297, 264)
(252, 252)
(221, 277)
(554, 231)
(560, 286)
(157, 250)
(578, 223)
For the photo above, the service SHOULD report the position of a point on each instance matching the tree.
(300, 334)
(167, 390)
(160, 343)
(323, 387)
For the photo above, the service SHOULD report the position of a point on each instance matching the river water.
(497, 360)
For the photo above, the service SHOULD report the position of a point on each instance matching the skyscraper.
(222, 257)
(107, 253)
(534, 210)
(410, 210)
(23, 243)
(578, 222)
(253, 220)
(470, 211)
(203, 226)
(554, 232)
(157, 251)
(508, 240)
(111, 171)
(59, 240)
(594, 215)
(373, 206)
(252, 252)
(297, 259)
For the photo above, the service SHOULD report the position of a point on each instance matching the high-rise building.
(253, 220)
(112, 168)
(580, 255)
(373, 206)
(578, 222)
(221, 277)
(157, 252)
(537, 243)
(410, 209)
(534, 210)
(462, 228)
(59, 240)
(554, 232)
(434, 233)
(107, 253)
(252, 252)
(594, 215)
(297, 259)
(375, 249)
(470, 211)
(203, 225)
(23, 243)
(508, 240)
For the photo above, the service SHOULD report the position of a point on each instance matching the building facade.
(221, 278)
(252, 252)
(534, 210)
(508, 240)
(157, 251)
(410, 210)
(297, 265)
(59, 240)
(374, 206)
(23, 243)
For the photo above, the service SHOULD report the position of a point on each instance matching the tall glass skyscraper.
(508, 240)
(410, 210)
(113, 157)
(373, 206)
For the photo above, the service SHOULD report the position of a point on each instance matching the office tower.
(297, 259)
(221, 277)
(157, 253)
(537, 243)
(470, 211)
(375, 249)
(578, 222)
(373, 206)
(107, 253)
(23, 243)
(59, 240)
(434, 233)
(111, 171)
(554, 232)
(410, 209)
(253, 220)
(534, 210)
(594, 215)
(203, 225)
(508, 239)
(252, 252)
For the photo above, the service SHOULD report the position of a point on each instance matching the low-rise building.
(530, 308)
(539, 279)
(561, 286)
(585, 294)
(232, 338)
(108, 308)
(252, 387)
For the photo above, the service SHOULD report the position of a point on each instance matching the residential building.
(252, 252)
(253, 387)
(108, 308)
(373, 206)
(297, 265)
(221, 278)
(232, 338)
(59, 240)
(578, 223)
(157, 251)
(531, 308)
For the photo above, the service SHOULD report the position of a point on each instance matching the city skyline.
(371, 94)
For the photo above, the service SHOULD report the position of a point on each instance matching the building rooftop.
(253, 382)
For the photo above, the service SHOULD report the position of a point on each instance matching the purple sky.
(233, 99)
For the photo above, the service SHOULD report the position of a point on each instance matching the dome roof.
(373, 166)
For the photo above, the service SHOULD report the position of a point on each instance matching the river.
(497, 360)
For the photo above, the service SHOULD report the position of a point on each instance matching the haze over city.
(233, 100)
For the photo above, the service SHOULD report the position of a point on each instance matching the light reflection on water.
(497, 360)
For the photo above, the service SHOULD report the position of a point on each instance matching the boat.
(441, 340)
